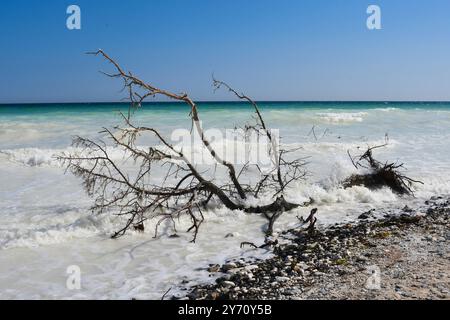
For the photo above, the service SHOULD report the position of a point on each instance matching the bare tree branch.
(128, 188)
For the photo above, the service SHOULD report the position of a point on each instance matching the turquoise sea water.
(53, 125)
(17, 109)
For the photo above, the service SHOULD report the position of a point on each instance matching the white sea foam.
(33, 157)
(341, 117)
(38, 157)
(389, 109)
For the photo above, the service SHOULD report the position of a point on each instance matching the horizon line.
(229, 101)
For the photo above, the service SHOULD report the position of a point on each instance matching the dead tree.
(379, 174)
(185, 189)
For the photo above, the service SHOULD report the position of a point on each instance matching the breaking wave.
(341, 117)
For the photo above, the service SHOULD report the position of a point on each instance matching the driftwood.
(379, 174)
(269, 242)
(185, 189)
(311, 220)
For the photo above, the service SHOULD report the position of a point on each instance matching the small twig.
(165, 294)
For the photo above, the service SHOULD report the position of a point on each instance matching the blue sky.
(272, 50)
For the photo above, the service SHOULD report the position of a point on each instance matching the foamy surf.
(341, 117)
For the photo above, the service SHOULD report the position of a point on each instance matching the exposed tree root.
(380, 174)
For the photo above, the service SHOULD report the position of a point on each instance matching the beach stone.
(363, 216)
(234, 270)
(282, 279)
(214, 268)
(361, 259)
(215, 295)
(229, 266)
(228, 284)
(251, 267)
(407, 209)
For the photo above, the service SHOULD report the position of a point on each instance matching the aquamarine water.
(41, 123)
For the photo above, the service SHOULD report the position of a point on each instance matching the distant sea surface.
(214, 105)
(36, 125)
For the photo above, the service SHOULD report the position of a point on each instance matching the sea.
(53, 247)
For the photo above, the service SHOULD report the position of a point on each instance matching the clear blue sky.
(272, 50)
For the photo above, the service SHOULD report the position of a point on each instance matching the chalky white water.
(46, 225)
